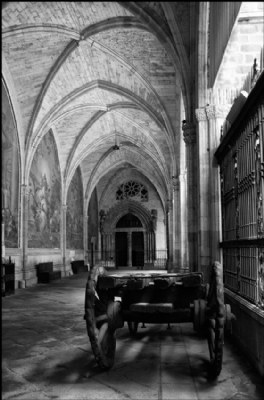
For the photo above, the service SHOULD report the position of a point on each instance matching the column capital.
(189, 132)
(200, 114)
(217, 111)
(175, 183)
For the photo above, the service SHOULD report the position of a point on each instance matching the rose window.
(132, 189)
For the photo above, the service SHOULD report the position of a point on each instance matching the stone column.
(203, 197)
(113, 246)
(3, 235)
(189, 136)
(85, 238)
(129, 240)
(183, 224)
(64, 237)
(24, 233)
(102, 245)
(176, 223)
(99, 241)
(215, 115)
(170, 265)
(145, 247)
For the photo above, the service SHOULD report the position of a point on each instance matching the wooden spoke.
(228, 318)
(133, 327)
(199, 317)
(102, 337)
(115, 319)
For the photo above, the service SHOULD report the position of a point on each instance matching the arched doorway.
(129, 242)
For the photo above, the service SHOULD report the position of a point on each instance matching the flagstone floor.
(46, 355)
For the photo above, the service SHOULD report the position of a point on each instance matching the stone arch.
(124, 207)
(108, 228)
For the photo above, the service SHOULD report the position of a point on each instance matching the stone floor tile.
(184, 391)
(46, 355)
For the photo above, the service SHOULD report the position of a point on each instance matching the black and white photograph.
(132, 237)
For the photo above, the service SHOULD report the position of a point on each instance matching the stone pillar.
(99, 241)
(189, 136)
(109, 244)
(106, 244)
(3, 235)
(85, 238)
(183, 224)
(176, 223)
(203, 185)
(215, 115)
(147, 250)
(145, 247)
(64, 237)
(24, 233)
(113, 246)
(102, 246)
(129, 242)
(170, 265)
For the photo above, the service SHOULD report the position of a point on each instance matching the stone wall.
(244, 46)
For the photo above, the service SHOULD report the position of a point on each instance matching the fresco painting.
(74, 219)
(10, 173)
(45, 196)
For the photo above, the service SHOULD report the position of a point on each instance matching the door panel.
(121, 249)
(137, 249)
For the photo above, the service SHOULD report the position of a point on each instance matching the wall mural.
(45, 196)
(74, 219)
(10, 173)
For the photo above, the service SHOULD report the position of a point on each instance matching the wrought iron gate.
(241, 159)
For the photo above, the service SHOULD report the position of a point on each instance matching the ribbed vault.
(101, 76)
(124, 207)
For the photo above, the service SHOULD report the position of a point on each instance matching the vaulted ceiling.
(97, 74)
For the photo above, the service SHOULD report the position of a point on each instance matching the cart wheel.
(216, 312)
(199, 317)
(133, 327)
(103, 341)
(107, 345)
(115, 319)
(228, 318)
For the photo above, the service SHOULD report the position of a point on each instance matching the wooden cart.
(158, 297)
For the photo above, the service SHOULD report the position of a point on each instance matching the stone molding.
(175, 183)
(200, 114)
(109, 220)
(212, 111)
(219, 111)
(25, 190)
(189, 132)
(169, 205)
